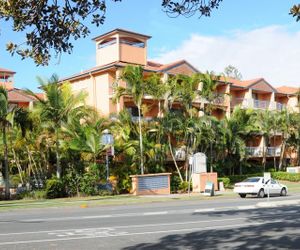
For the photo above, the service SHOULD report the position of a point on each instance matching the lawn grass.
(103, 200)
(92, 201)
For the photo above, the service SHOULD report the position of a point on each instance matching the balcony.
(257, 104)
(143, 119)
(258, 151)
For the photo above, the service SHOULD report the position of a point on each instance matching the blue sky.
(252, 30)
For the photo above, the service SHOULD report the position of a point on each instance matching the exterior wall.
(182, 69)
(23, 104)
(292, 104)
(102, 94)
(120, 51)
(97, 88)
(107, 55)
(7, 85)
(255, 141)
(132, 54)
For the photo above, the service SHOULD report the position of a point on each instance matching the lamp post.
(107, 140)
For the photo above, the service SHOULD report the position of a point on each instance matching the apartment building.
(118, 48)
(16, 97)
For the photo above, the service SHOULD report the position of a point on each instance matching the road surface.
(235, 223)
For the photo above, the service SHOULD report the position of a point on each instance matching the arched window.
(107, 42)
(132, 42)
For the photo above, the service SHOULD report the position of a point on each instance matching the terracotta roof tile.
(17, 95)
(2, 70)
(240, 83)
(151, 66)
(288, 90)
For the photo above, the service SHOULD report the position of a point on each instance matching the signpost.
(267, 178)
(107, 140)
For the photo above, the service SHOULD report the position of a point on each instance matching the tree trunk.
(265, 153)
(141, 140)
(274, 159)
(173, 157)
(281, 155)
(58, 167)
(6, 167)
(18, 165)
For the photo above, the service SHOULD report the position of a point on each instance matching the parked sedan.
(257, 186)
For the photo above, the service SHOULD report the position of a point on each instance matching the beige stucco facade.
(118, 48)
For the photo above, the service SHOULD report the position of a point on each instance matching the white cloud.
(271, 52)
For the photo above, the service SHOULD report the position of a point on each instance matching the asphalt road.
(207, 224)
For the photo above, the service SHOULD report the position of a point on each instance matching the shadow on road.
(271, 234)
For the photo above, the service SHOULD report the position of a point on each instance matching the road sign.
(209, 189)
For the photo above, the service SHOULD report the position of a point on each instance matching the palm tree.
(209, 83)
(84, 136)
(264, 122)
(289, 127)
(4, 123)
(172, 125)
(136, 87)
(54, 109)
(237, 129)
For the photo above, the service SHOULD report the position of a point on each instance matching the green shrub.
(225, 180)
(39, 194)
(175, 183)
(88, 184)
(285, 176)
(55, 188)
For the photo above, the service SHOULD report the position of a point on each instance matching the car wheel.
(261, 194)
(283, 192)
(243, 195)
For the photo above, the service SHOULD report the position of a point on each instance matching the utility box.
(200, 180)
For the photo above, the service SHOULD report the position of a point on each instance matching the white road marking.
(203, 210)
(121, 227)
(137, 233)
(156, 213)
(246, 207)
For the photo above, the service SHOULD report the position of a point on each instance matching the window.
(252, 180)
(132, 42)
(106, 43)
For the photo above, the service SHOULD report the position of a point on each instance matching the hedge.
(283, 176)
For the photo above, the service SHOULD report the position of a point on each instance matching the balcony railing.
(258, 151)
(257, 104)
(143, 119)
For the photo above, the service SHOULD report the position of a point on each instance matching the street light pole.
(107, 140)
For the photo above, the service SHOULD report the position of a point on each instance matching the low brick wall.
(151, 184)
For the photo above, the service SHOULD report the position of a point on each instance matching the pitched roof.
(112, 32)
(240, 83)
(2, 70)
(288, 90)
(18, 95)
(151, 67)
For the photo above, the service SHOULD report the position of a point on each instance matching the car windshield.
(252, 180)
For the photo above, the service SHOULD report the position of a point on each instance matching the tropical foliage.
(57, 145)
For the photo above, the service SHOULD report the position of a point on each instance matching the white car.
(257, 186)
